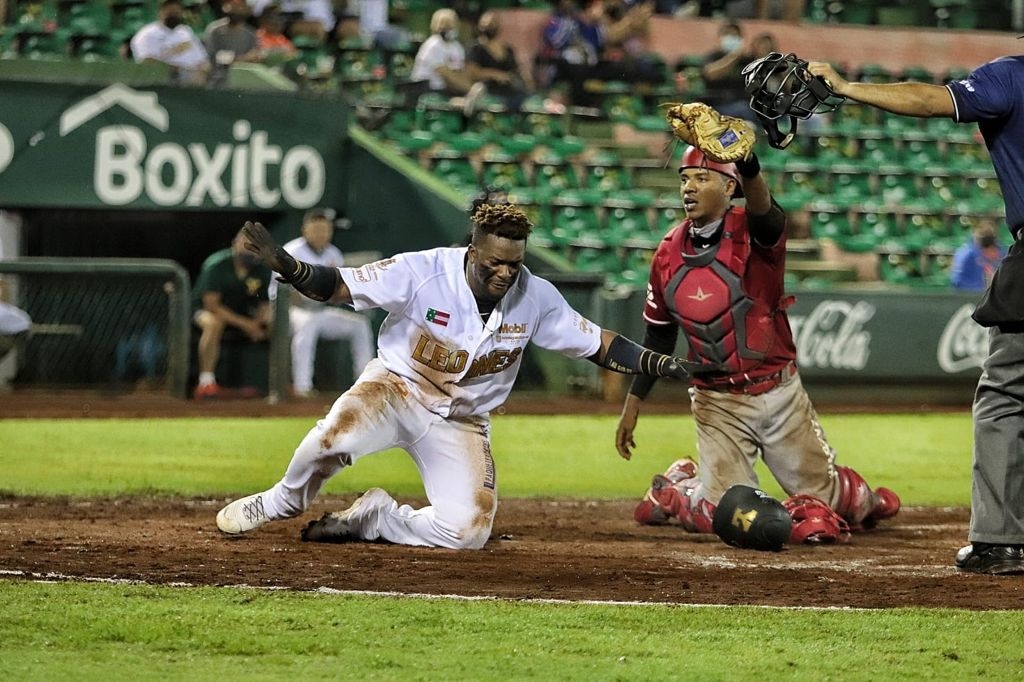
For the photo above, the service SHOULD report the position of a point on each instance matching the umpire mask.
(780, 86)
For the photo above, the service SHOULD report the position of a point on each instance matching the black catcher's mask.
(780, 85)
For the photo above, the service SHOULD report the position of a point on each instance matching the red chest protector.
(706, 296)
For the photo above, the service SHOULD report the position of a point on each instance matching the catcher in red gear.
(718, 277)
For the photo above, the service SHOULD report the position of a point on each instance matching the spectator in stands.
(375, 27)
(723, 67)
(274, 45)
(599, 43)
(313, 18)
(230, 298)
(569, 51)
(311, 320)
(975, 262)
(172, 42)
(230, 39)
(440, 64)
(493, 62)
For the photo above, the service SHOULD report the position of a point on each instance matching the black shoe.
(991, 559)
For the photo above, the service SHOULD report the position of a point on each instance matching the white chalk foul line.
(53, 577)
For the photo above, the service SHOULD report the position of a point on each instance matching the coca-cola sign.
(963, 344)
(833, 335)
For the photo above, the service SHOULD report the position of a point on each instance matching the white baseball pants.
(453, 457)
(308, 326)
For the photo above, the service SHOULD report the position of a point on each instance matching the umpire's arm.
(909, 98)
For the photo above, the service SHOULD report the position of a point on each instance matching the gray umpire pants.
(997, 487)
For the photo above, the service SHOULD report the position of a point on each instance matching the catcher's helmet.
(780, 85)
(752, 519)
(695, 158)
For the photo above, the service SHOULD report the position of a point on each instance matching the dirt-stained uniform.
(720, 281)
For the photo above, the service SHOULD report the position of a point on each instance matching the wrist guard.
(749, 167)
(318, 282)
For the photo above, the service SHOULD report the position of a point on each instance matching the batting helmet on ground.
(752, 519)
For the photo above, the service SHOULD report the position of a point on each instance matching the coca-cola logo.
(833, 335)
(963, 344)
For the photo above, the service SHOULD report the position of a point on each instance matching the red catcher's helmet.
(694, 158)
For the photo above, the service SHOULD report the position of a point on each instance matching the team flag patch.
(438, 317)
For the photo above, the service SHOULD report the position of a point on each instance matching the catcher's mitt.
(725, 139)
(814, 522)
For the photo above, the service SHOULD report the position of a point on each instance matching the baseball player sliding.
(718, 277)
(449, 351)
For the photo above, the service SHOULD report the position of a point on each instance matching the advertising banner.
(87, 146)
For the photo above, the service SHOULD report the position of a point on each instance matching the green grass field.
(100, 631)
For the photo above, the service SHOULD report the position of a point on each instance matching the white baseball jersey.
(435, 339)
(178, 46)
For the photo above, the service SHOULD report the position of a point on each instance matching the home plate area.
(539, 549)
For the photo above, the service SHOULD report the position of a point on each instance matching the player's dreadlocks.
(501, 220)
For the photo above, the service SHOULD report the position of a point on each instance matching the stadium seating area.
(595, 181)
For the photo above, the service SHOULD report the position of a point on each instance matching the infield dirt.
(539, 548)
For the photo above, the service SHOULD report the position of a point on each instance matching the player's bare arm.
(908, 98)
(318, 282)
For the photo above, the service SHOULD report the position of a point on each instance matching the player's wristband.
(318, 282)
(750, 167)
(642, 385)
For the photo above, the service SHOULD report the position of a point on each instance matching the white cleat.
(242, 515)
(341, 526)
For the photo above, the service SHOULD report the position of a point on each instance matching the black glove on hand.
(259, 242)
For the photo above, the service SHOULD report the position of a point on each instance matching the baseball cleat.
(343, 526)
(242, 515)
(991, 559)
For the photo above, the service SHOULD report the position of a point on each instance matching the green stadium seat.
(922, 154)
(897, 187)
(554, 173)
(596, 259)
(879, 226)
(875, 73)
(497, 124)
(879, 150)
(503, 171)
(851, 186)
(457, 172)
(830, 224)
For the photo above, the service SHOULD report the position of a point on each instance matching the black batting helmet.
(780, 85)
(749, 518)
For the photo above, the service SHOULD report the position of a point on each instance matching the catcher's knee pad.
(814, 522)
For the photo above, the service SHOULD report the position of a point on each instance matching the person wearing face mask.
(723, 70)
(231, 303)
(975, 262)
(440, 64)
(493, 62)
(230, 39)
(172, 42)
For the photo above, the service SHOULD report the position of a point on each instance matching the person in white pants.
(312, 320)
(459, 320)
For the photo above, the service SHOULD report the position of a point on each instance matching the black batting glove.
(259, 242)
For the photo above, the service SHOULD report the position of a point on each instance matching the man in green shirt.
(229, 300)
